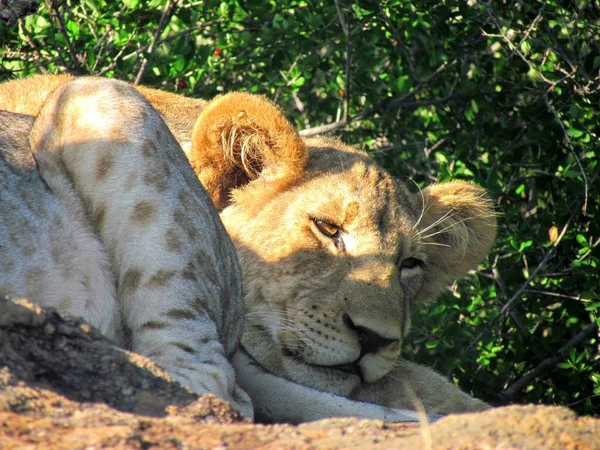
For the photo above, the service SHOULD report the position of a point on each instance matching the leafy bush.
(505, 94)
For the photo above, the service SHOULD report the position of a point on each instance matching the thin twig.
(346, 31)
(289, 81)
(573, 152)
(388, 104)
(61, 27)
(143, 48)
(548, 363)
(27, 38)
(508, 40)
(514, 315)
(434, 147)
(507, 306)
(164, 20)
(535, 21)
(556, 294)
(398, 102)
(400, 43)
(115, 60)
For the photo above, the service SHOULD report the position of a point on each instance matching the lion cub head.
(334, 250)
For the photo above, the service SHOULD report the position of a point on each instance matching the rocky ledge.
(64, 386)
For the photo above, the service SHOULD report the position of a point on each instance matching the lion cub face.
(331, 265)
(334, 251)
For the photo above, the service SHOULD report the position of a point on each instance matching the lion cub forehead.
(359, 192)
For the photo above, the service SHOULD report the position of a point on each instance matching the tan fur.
(310, 297)
(239, 137)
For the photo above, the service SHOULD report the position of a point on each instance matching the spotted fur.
(102, 217)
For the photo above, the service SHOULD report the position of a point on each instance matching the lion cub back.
(47, 250)
(111, 224)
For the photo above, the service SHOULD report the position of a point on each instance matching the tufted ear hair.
(457, 228)
(242, 137)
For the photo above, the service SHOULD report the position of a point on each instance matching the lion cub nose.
(368, 339)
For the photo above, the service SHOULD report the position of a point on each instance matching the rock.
(64, 386)
(12, 10)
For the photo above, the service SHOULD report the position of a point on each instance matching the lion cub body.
(101, 216)
(334, 252)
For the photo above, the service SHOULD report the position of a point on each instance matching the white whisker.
(434, 243)
(446, 228)
(451, 213)
(423, 207)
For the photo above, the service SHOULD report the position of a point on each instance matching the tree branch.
(398, 102)
(164, 21)
(115, 60)
(556, 294)
(346, 31)
(395, 103)
(506, 308)
(400, 43)
(573, 152)
(548, 363)
(55, 13)
(166, 38)
(38, 55)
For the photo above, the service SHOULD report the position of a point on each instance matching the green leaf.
(582, 240)
(574, 132)
(41, 22)
(438, 309)
(525, 245)
(432, 344)
(72, 27)
(440, 158)
(401, 82)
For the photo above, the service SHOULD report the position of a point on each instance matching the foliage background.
(505, 94)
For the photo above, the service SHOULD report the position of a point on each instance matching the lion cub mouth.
(352, 368)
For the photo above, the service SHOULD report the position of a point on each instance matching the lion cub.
(113, 226)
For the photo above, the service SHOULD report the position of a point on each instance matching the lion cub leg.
(178, 282)
(412, 386)
(279, 400)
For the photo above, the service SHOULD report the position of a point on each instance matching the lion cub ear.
(457, 229)
(239, 138)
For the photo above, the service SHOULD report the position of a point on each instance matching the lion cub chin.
(333, 250)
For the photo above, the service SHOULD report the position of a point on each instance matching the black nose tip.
(368, 339)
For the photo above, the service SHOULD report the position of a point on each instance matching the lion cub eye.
(328, 229)
(410, 263)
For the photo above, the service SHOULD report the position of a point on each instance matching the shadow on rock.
(48, 361)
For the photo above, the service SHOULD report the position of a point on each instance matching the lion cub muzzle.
(369, 342)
